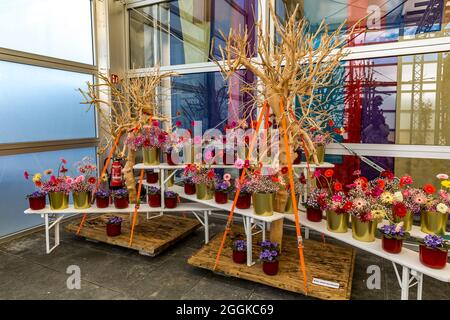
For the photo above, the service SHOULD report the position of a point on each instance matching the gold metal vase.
(364, 231)
(58, 200)
(151, 156)
(433, 222)
(81, 200)
(290, 205)
(320, 149)
(337, 222)
(203, 192)
(263, 204)
(407, 220)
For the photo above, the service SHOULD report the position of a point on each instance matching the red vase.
(270, 268)
(298, 160)
(433, 258)
(221, 197)
(189, 188)
(37, 203)
(239, 256)
(102, 202)
(154, 200)
(314, 215)
(244, 201)
(121, 203)
(169, 159)
(391, 245)
(152, 177)
(170, 203)
(113, 230)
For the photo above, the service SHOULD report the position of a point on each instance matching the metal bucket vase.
(81, 200)
(337, 222)
(58, 200)
(263, 204)
(407, 220)
(203, 192)
(151, 156)
(289, 204)
(188, 153)
(433, 222)
(320, 153)
(364, 231)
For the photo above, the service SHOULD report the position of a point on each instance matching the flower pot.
(314, 215)
(433, 222)
(407, 220)
(58, 200)
(221, 197)
(170, 203)
(363, 231)
(154, 200)
(263, 204)
(152, 177)
(37, 203)
(391, 245)
(151, 156)
(189, 188)
(113, 229)
(433, 258)
(289, 204)
(170, 161)
(204, 192)
(121, 203)
(244, 201)
(81, 200)
(102, 202)
(298, 160)
(337, 222)
(320, 153)
(239, 256)
(270, 268)
(188, 153)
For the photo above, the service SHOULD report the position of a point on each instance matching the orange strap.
(136, 207)
(238, 191)
(294, 199)
(111, 152)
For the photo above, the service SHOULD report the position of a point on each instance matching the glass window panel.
(206, 97)
(14, 187)
(55, 28)
(180, 32)
(42, 104)
(387, 21)
(372, 100)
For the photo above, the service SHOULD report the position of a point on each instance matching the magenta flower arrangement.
(150, 136)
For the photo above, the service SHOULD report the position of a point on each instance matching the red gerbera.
(246, 164)
(178, 123)
(329, 173)
(275, 179)
(284, 170)
(211, 174)
(26, 175)
(429, 188)
(331, 123)
(337, 130)
(347, 206)
(387, 174)
(399, 210)
(63, 169)
(38, 184)
(92, 180)
(381, 184)
(337, 186)
(302, 179)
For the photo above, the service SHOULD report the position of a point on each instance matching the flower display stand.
(320, 259)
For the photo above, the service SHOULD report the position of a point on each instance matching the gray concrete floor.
(110, 272)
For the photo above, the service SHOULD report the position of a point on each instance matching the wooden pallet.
(323, 261)
(150, 236)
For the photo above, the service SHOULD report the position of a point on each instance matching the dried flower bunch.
(86, 180)
(263, 184)
(150, 136)
(317, 199)
(200, 174)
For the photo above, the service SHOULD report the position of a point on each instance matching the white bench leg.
(249, 237)
(206, 224)
(306, 233)
(48, 227)
(263, 231)
(405, 283)
(419, 285)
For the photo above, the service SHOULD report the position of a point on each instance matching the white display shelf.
(227, 206)
(415, 231)
(406, 257)
(166, 166)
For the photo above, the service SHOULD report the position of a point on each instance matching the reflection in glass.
(42, 104)
(14, 186)
(386, 21)
(180, 31)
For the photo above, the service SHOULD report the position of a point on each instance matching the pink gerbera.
(419, 199)
(359, 203)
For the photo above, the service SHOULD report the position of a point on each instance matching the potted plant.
(83, 185)
(435, 209)
(56, 186)
(113, 226)
(152, 176)
(102, 198)
(204, 179)
(392, 237)
(120, 198)
(263, 189)
(315, 203)
(37, 200)
(151, 139)
(337, 210)
(154, 197)
(189, 185)
(270, 252)
(171, 199)
(433, 251)
(240, 251)
(244, 200)
(223, 187)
